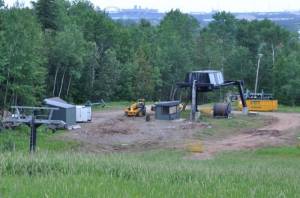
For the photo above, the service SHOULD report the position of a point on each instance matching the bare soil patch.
(111, 131)
(279, 131)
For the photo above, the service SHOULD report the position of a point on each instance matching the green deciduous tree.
(107, 77)
(22, 59)
(67, 58)
(85, 55)
(1, 3)
(176, 42)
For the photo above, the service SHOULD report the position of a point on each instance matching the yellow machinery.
(260, 102)
(195, 146)
(136, 109)
(206, 111)
(260, 105)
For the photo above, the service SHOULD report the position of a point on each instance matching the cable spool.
(222, 110)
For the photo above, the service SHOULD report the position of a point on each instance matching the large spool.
(222, 110)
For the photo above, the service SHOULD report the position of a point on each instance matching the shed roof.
(57, 99)
(168, 103)
(207, 71)
(57, 102)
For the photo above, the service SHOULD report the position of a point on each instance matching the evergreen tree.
(47, 12)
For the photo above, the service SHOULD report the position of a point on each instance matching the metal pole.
(194, 103)
(240, 87)
(257, 70)
(32, 135)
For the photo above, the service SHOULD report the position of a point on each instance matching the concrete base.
(195, 117)
(245, 110)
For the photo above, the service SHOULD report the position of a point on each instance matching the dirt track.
(111, 131)
(280, 132)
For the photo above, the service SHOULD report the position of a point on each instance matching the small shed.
(167, 110)
(66, 112)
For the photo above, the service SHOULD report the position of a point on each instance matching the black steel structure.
(33, 120)
(209, 80)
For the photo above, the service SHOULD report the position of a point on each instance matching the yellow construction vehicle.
(136, 109)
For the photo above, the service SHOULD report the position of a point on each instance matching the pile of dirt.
(114, 127)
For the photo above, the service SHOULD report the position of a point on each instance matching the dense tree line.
(74, 51)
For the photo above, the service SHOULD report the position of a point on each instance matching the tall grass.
(18, 140)
(57, 171)
(150, 174)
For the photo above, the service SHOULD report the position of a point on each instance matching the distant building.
(248, 17)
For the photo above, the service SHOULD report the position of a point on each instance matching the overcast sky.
(196, 5)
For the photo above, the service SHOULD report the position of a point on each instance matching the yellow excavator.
(137, 109)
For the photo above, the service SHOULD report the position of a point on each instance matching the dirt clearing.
(111, 131)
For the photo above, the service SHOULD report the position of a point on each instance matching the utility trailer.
(83, 113)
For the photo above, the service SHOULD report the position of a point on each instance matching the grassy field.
(272, 172)
(57, 169)
(119, 105)
(51, 172)
(235, 124)
(224, 127)
(18, 140)
(112, 106)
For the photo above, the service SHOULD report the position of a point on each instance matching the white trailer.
(83, 113)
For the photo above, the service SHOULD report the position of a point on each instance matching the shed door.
(164, 110)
